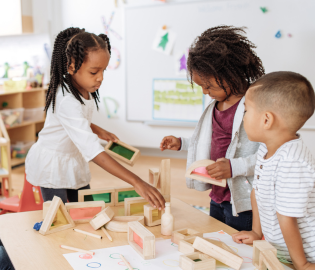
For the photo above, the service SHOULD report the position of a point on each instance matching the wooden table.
(29, 250)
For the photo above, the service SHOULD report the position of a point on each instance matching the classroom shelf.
(27, 130)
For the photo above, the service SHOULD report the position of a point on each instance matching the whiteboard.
(190, 19)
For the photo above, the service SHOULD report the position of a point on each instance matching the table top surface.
(29, 250)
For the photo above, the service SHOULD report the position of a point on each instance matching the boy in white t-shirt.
(283, 197)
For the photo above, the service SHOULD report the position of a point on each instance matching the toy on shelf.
(12, 117)
(197, 171)
(122, 152)
(5, 161)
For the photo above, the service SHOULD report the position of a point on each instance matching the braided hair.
(226, 54)
(72, 44)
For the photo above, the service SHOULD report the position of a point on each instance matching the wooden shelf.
(17, 161)
(25, 123)
(10, 92)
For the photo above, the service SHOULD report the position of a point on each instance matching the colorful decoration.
(164, 41)
(117, 59)
(107, 108)
(183, 63)
(264, 9)
(289, 35)
(107, 27)
(6, 70)
(278, 35)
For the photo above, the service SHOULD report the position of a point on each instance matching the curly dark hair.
(72, 44)
(226, 54)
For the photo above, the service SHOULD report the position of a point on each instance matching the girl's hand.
(107, 136)
(220, 169)
(150, 194)
(245, 237)
(170, 143)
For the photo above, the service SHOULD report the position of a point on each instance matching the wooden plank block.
(152, 216)
(153, 176)
(123, 152)
(219, 251)
(124, 192)
(268, 260)
(98, 194)
(102, 218)
(141, 240)
(164, 179)
(196, 261)
(185, 246)
(120, 223)
(184, 234)
(58, 215)
(204, 177)
(134, 206)
(258, 247)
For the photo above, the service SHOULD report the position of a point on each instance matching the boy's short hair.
(287, 93)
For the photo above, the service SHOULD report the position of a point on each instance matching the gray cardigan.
(241, 152)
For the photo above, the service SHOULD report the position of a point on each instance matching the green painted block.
(106, 197)
(127, 194)
(197, 260)
(122, 151)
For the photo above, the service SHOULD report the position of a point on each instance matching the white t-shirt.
(59, 159)
(285, 183)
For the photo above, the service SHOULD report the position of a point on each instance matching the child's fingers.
(114, 138)
(211, 167)
(238, 237)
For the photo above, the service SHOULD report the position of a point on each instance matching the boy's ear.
(71, 69)
(269, 119)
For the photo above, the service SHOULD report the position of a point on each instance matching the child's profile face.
(90, 75)
(252, 117)
(210, 87)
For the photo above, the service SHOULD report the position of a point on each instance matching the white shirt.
(65, 145)
(285, 183)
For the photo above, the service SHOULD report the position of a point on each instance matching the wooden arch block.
(219, 251)
(120, 223)
(197, 171)
(57, 218)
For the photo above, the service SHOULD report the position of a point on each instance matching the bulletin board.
(283, 30)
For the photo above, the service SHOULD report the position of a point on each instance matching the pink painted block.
(84, 213)
(203, 172)
(138, 240)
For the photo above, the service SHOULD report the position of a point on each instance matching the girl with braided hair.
(222, 61)
(58, 161)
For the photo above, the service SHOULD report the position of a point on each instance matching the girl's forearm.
(113, 167)
(96, 129)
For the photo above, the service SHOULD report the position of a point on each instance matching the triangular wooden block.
(57, 215)
(197, 171)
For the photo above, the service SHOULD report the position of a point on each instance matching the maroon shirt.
(222, 125)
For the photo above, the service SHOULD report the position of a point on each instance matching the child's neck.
(228, 103)
(277, 139)
(82, 91)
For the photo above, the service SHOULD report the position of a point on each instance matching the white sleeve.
(293, 187)
(243, 166)
(185, 144)
(71, 117)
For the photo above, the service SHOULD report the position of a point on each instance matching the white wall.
(81, 13)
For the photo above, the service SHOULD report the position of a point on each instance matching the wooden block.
(258, 247)
(102, 218)
(83, 213)
(196, 261)
(153, 176)
(202, 174)
(183, 234)
(120, 223)
(164, 178)
(98, 194)
(186, 245)
(268, 260)
(122, 152)
(152, 216)
(57, 215)
(219, 251)
(123, 193)
(141, 240)
(167, 198)
(134, 206)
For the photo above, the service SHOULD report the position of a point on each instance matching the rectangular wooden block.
(268, 260)
(219, 251)
(134, 206)
(124, 192)
(184, 234)
(164, 178)
(141, 240)
(196, 261)
(123, 152)
(153, 176)
(57, 218)
(152, 216)
(258, 247)
(102, 218)
(98, 194)
(186, 245)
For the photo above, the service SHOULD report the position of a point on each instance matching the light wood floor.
(101, 178)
